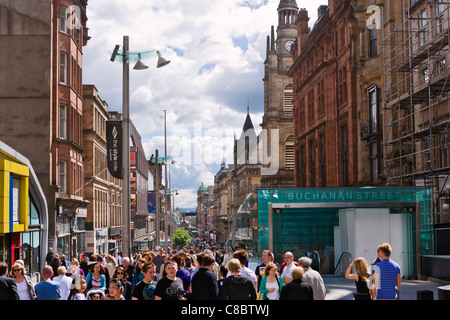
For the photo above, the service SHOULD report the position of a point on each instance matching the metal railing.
(340, 259)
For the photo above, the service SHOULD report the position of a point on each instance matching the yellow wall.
(22, 173)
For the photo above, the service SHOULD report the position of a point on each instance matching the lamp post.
(166, 215)
(140, 65)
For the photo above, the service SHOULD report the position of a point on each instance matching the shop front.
(23, 212)
(335, 225)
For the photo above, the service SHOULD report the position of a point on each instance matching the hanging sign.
(114, 148)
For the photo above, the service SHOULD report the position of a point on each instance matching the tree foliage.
(181, 238)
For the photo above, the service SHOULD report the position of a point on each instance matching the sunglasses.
(120, 273)
(15, 270)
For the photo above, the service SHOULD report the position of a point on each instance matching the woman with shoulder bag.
(271, 283)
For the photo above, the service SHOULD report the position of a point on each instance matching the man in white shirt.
(289, 259)
(64, 281)
(119, 258)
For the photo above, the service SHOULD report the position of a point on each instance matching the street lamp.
(126, 57)
(166, 216)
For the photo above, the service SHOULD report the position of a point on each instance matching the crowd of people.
(201, 272)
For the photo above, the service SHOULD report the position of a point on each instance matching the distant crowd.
(203, 271)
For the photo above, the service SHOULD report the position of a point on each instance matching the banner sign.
(114, 148)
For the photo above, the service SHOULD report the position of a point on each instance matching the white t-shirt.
(287, 271)
(275, 295)
(22, 289)
(66, 284)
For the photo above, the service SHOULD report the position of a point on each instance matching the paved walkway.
(339, 288)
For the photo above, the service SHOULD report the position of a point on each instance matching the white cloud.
(217, 49)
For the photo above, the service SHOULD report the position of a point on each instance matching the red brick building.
(325, 108)
(41, 104)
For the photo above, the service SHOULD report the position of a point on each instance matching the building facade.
(224, 203)
(278, 94)
(416, 90)
(325, 106)
(23, 212)
(202, 210)
(41, 103)
(102, 190)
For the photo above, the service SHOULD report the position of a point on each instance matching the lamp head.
(161, 61)
(114, 54)
(140, 65)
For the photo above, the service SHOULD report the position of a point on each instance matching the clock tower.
(286, 33)
(278, 95)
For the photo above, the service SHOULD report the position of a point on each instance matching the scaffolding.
(416, 85)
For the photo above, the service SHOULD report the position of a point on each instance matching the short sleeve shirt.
(170, 289)
(48, 290)
(387, 271)
(144, 291)
(287, 271)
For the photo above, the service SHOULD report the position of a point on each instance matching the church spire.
(248, 121)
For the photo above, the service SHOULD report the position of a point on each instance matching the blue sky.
(217, 50)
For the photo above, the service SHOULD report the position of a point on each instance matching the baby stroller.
(92, 292)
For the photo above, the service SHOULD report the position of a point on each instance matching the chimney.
(321, 10)
(302, 29)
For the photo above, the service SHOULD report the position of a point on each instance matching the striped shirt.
(387, 271)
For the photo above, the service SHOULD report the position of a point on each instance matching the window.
(287, 100)
(16, 199)
(372, 100)
(62, 177)
(441, 64)
(63, 68)
(302, 118)
(444, 140)
(425, 75)
(344, 155)
(342, 86)
(374, 161)
(322, 160)
(289, 160)
(373, 43)
(247, 149)
(63, 19)
(427, 161)
(311, 106)
(321, 97)
(439, 19)
(62, 122)
(302, 167)
(422, 24)
(312, 162)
